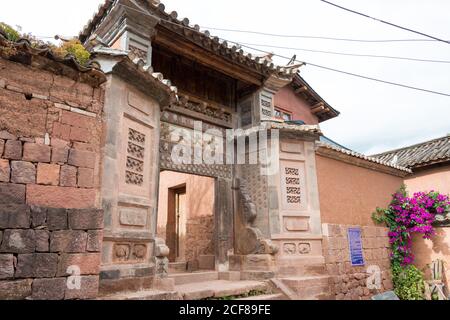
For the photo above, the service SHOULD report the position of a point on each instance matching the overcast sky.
(374, 116)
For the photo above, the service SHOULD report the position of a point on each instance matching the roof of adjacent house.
(420, 155)
(203, 39)
(359, 158)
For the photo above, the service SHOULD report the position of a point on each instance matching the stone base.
(164, 284)
(253, 262)
(301, 266)
(108, 287)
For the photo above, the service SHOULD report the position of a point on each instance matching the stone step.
(308, 288)
(195, 277)
(276, 296)
(177, 267)
(143, 295)
(220, 289)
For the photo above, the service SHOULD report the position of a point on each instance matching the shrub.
(74, 48)
(408, 282)
(11, 33)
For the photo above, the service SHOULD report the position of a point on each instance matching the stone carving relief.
(266, 105)
(249, 238)
(161, 261)
(291, 249)
(130, 252)
(292, 186)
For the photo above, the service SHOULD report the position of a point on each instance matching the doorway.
(186, 220)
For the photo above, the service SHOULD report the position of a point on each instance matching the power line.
(316, 37)
(307, 63)
(348, 53)
(386, 22)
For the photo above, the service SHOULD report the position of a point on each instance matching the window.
(283, 115)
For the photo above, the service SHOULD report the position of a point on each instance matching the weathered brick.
(37, 265)
(36, 152)
(14, 216)
(61, 131)
(15, 290)
(56, 219)
(18, 241)
(89, 263)
(42, 240)
(86, 219)
(49, 289)
(2, 146)
(6, 266)
(81, 158)
(5, 135)
(48, 174)
(85, 178)
(13, 150)
(38, 216)
(60, 197)
(68, 241)
(60, 155)
(23, 172)
(68, 177)
(12, 193)
(5, 170)
(94, 240)
(77, 120)
(88, 289)
(80, 134)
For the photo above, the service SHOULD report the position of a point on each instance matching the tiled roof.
(91, 70)
(357, 155)
(138, 65)
(193, 33)
(420, 155)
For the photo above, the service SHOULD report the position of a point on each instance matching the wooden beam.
(176, 43)
(318, 108)
(301, 89)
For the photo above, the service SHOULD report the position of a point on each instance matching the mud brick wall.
(50, 158)
(350, 282)
(41, 246)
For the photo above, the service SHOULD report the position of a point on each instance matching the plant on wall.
(404, 217)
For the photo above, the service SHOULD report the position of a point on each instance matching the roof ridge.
(411, 146)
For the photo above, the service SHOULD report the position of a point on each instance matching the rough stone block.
(48, 174)
(42, 241)
(36, 152)
(60, 197)
(68, 241)
(14, 216)
(79, 158)
(15, 290)
(38, 265)
(85, 178)
(89, 263)
(68, 176)
(207, 262)
(94, 240)
(5, 170)
(13, 150)
(88, 289)
(38, 216)
(2, 146)
(18, 241)
(56, 219)
(12, 193)
(60, 155)
(6, 266)
(23, 172)
(86, 219)
(49, 289)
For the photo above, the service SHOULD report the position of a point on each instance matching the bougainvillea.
(408, 215)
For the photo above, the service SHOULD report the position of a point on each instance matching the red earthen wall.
(50, 143)
(286, 99)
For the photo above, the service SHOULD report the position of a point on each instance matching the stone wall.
(350, 282)
(199, 237)
(50, 159)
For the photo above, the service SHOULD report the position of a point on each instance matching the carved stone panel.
(266, 104)
(293, 193)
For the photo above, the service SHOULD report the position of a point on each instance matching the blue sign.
(356, 247)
